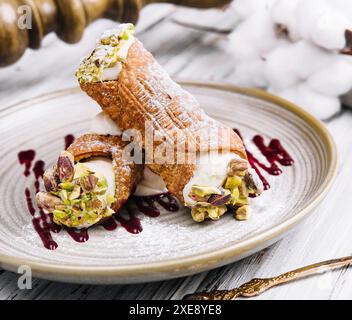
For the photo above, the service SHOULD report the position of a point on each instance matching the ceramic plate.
(171, 245)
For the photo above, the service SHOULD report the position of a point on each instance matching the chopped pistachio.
(235, 194)
(67, 185)
(253, 183)
(243, 189)
(220, 200)
(47, 201)
(108, 212)
(89, 182)
(110, 199)
(232, 182)
(61, 207)
(51, 179)
(76, 192)
(239, 165)
(203, 191)
(242, 201)
(199, 214)
(65, 166)
(243, 213)
(102, 186)
(94, 204)
(81, 170)
(217, 213)
(59, 214)
(105, 55)
(63, 195)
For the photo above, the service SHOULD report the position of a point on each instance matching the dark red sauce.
(109, 224)
(43, 230)
(43, 223)
(25, 158)
(132, 224)
(69, 140)
(38, 171)
(147, 204)
(29, 202)
(274, 153)
(78, 235)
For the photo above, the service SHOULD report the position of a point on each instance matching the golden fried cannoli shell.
(127, 175)
(145, 92)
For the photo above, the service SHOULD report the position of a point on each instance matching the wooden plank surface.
(192, 54)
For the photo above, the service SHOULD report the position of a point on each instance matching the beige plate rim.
(201, 262)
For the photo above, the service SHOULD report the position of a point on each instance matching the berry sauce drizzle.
(69, 139)
(132, 224)
(43, 223)
(147, 204)
(80, 235)
(274, 153)
(25, 158)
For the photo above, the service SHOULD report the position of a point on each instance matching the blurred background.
(297, 49)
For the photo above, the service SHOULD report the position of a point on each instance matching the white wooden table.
(192, 54)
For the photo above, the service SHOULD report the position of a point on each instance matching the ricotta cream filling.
(112, 73)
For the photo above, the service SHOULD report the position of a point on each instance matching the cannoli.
(89, 183)
(213, 175)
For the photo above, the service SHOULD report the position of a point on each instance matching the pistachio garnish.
(220, 200)
(253, 183)
(243, 213)
(105, 55)
(88, 183)
(75, 193)
(81, 201)
(65, 166)
(47, 201)
(51, 179)
(232, 182)
(202, 193)
(199, 214)
(243, 189)
(94, 205)
(81, 170)
(235, 194)
(238, 164)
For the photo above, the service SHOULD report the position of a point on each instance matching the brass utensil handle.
(24, 23)
(257, 286)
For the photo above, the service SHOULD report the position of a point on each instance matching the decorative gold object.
(24, 23)
(258, 286)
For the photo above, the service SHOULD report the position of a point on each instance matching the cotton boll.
(321, 106)
(284, 12)
(245, 8)
(345, 7)
(240, 48)
(335, 79)
(308, 58)
(250, 74)
(307, 14)
(254, 37)
(289, 65)
(289, 94)
(329, 30)
(278, 69)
